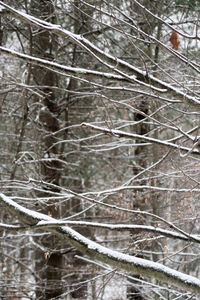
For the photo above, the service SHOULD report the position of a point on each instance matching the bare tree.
(100, 109)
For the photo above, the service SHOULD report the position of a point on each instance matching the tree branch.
(119, 227)
(80, 72)
(114, 258)
(119, 134)
(117, 65)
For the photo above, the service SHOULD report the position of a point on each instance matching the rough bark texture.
(43, 44)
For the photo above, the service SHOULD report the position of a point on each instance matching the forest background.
(99, 160)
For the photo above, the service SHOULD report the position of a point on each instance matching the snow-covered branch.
(4, 226)
(115, 64)
(114, 258)
(69, 71)
(113, 227)
(119, 134)
(120, 227)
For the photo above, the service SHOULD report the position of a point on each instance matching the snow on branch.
(117, 65)
(127, 210)
(119, 134)
(4, 226)
(58, 67)
(113, 227)
(114, 258)
(121, 227)
(162, 21)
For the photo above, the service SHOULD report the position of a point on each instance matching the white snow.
(128, 262)
(33, 214)
(115, 258)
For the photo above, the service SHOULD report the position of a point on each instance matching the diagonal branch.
(80, 72)
(113, 227)
(119, 134)
(117, 65)
(114, 258)
(119, 227)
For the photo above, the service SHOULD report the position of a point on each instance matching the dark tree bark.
(43, 44)
(133, 293)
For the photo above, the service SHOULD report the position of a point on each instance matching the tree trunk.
(43, 44)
